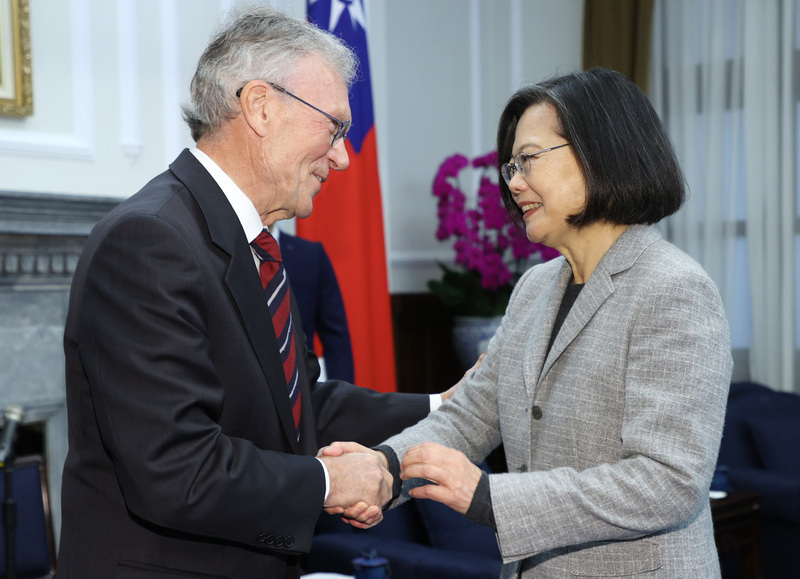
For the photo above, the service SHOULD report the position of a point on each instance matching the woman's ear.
(256, 102)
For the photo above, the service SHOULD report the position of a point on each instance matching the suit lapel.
(242, 281)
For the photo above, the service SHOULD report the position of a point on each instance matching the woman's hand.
(455, 476)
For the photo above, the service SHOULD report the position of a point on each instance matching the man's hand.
(452, 390)
(360, 484)
(455, 476)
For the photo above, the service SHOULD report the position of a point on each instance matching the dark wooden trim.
(424, 356)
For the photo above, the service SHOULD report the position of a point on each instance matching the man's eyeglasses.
(522, 164)
(341, 126)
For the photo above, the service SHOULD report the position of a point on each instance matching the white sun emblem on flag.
(356, 11)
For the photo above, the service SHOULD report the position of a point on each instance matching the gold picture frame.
(16, 90)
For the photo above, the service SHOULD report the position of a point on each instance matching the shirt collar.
(241, 204)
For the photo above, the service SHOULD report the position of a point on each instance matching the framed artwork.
(16, 93)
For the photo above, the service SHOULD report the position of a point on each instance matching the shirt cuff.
(436, 401)
(327, 480)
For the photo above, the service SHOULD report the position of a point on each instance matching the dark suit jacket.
(183, 459)
(320, 302)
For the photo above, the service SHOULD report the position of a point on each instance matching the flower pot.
(471, 335)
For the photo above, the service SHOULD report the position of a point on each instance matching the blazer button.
(536, 412)
(261, 538)
(270, 540)
(279, 542)
(523, 468)
(288, 542)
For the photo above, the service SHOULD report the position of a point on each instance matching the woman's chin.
(533, 236)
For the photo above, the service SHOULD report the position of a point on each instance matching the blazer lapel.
(548, 300)
(592, 296)
(242, 280)
(620, 257)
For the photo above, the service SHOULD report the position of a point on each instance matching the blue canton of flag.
(346, 19)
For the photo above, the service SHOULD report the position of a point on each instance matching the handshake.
(360, 483)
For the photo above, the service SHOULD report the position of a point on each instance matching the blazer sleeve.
(157, 398)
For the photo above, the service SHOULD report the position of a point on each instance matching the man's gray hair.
(256, 43)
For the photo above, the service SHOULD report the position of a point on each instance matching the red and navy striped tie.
(276, 289)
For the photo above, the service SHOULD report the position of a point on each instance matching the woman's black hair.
(630, 168)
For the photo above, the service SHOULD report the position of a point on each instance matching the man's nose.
(338, 156)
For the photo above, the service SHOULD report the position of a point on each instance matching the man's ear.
(256, 102)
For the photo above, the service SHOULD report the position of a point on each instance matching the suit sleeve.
(343, 411)
(144, 342)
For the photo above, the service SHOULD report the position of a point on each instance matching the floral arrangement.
(491, 251)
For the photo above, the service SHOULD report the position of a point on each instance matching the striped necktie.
(276, 289)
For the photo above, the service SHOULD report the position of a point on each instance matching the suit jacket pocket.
(139, 570)
(614, 558)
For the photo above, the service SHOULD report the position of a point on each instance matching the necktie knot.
(266, 247)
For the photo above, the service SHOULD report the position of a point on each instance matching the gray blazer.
(611, 439)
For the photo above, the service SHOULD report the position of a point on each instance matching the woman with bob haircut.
(607, 381)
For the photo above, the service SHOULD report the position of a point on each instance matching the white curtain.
(722, 80)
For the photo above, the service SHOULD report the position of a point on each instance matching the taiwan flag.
(348, 218)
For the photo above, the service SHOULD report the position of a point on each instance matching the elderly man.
(189, 386)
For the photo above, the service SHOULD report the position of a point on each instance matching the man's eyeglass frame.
(508, 170)
(343, 126)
